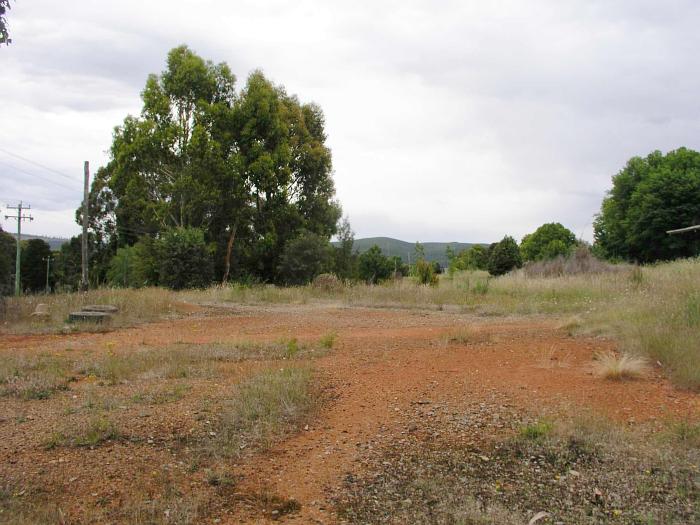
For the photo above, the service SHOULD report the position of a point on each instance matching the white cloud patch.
(448, 120)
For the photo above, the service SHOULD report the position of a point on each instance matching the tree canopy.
(505, 256)
(33, 264)
(4, 33)
(547, 242)
(650, 196)
(249, 168)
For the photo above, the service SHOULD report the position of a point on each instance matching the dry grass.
(135, 307)
(585, 470)
(263, 408)
(91, 433)
(653, 311)
(33, 376)
(467, 335)
(610, 365)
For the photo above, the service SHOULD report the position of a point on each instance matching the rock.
(90, 317)
(41, 311)
(105, 308)
(537, 517)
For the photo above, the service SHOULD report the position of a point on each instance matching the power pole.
(84, 243)
(48, 271)
(19, 218)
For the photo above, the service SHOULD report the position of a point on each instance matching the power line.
(45, 179)
(25, 159)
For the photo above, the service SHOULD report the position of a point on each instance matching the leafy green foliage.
(344, 260)
(374, 266)
(4, 34)
(33, 264)
(425, 272)
(474, 258)
(250, 169)
(304, 257)
(650, 196)
(547, 242)
(505, 257)
(135, 266)
(185, 259)
(8, 249)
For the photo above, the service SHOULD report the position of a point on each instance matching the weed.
(328, 340)
(535, 431)
(33, 376)
(467, 335)
(292, 348)
(94, 432)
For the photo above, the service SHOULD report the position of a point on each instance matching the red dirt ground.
(384, 365)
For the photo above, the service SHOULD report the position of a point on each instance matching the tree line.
(215, 183)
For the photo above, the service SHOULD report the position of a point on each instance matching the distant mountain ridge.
(434, 251)
(54, 242)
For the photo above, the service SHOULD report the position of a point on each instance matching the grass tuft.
(327, 341)
(263, 409)
(609, 365)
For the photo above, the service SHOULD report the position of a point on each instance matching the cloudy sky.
(448, 120)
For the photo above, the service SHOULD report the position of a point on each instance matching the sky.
(447, 120)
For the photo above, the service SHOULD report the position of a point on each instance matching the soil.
(389, 374)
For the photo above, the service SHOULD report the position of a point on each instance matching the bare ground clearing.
(392, 377)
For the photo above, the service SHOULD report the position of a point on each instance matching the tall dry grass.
(654, 311)
(135, 306)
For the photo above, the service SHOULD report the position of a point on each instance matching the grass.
(33, 376)
(467, 335)
(583, 471)
(263, 408)
(610, 365)
(327, 341)
(97, 430)
(653, 311)
(135, 307)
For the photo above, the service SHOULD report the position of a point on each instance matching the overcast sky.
(453, 120)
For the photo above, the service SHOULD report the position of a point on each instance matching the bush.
(547, 242)
(185, 259)
(374, 266)
(303, 258)
(327, 282)
(582, 261)
(425, 272)
(505, 257)
(135, 266)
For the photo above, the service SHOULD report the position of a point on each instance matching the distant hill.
(54, 242)
(434, 251)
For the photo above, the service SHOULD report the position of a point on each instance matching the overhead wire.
(43, 166)
(41, 177)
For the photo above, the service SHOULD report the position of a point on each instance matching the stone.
(42, 311)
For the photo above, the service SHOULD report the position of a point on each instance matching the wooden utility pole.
(84, 239)
(48, 272)
(683, 230)
(19, 217)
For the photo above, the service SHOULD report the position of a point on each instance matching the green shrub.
(374, 267)
(303, 258)
(185, 259)
(425, 272)
(505, 257)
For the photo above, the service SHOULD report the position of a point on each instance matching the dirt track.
(390, 375)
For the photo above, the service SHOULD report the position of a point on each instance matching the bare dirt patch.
(391, 375)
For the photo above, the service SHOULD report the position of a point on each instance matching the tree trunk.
(229, 248)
